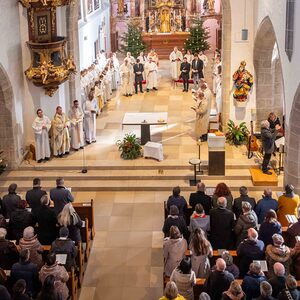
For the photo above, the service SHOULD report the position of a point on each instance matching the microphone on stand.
(84, 168)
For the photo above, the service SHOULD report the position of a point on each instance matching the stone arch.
(226, 59)
(268, 72)
(292, 159)
(7, 139)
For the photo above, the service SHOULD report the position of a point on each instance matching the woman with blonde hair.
(201, 251)
(171, 292)
(234, 292)
(69, 218)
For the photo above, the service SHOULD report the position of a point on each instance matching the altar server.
(125, 70)
(153, 56)
(204, 58)
(60, 133)
(175, 59)
(76, 130)
(151, 74)
(215, 72)
(41, 126)
(116, 67)
(142, 57)
(90, 109)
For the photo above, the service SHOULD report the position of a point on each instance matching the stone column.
(73, 48)
(226, 61)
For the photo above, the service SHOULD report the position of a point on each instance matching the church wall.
(291, 76)
(90, 31)
(11, 61)
(241, 50)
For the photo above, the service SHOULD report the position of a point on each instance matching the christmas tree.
(199, 35)
(132, 40)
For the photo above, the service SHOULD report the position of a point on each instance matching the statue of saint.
(243, 81)
(211, 5)
(165, 24)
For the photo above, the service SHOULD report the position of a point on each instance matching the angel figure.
(44, 71)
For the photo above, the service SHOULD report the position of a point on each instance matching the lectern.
(216, 154)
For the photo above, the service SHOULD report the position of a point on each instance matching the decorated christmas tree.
(199, 35)
(132, 40)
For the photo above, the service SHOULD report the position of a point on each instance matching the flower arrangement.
(130, 147)
(236, 134)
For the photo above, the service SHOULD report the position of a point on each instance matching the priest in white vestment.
(176, 58)
(90, 108)
(76, 130)
(41, 126)
(60, 133)
(116, 65)
(204, 58)
(151, 74)
(216, 66)
(153, 55)
(125, 70)
(143, 59)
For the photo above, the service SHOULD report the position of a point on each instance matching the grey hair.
(171, 290)
(45, 200)
(265, 289)
(265, 124)
(222, 201)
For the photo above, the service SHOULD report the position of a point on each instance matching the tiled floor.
(126, 259)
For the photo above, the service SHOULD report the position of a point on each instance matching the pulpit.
(216, 154)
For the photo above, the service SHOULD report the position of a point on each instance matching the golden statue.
(120, 7)
(44, 72)
(165, 24)
(70, 64)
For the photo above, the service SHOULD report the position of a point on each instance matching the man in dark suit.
(268, 137)
(185, 68)
(138, 70)
(201, 197)
(221, 225)
(197, 70)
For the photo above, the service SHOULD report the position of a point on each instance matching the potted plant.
(236, 134)
(130, 147)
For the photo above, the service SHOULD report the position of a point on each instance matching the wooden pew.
(86, 210)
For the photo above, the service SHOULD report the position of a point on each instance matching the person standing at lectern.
(138, 70)
(185, 68)
(268, 137)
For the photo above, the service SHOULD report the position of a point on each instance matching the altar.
(145, 120)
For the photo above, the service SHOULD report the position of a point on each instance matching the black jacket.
(237, 204)
(65, 247)
(33, 198)
(19, 220)
(203, 199)
(179, 202)
(278, 284)
(47, 230)
(4, 294)
(197, 66)
(60, 197)
(176, 221)
(286, 293)
(9, 204)
(138, 68)
(185, 70)
(221, 225)
(217, 283)
(247, 251)
(8, 254)
(29, 272)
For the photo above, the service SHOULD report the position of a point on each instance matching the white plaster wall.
(242, 50)
(276, 10)
(89, 33)
(11, 59)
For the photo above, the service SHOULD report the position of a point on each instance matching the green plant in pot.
(236, 134)
(130, 147)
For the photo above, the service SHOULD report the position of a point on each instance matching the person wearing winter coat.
(174, 248)
(252, 280)
(269, 227)
(290, 292)
(246, 220)
(278, 252)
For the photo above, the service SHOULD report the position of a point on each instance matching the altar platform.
(164, 43)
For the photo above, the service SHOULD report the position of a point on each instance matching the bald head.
(222, 202)
(200, 187)
(220, 264)
(252, 234)
(265, 124)
(279, 269)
